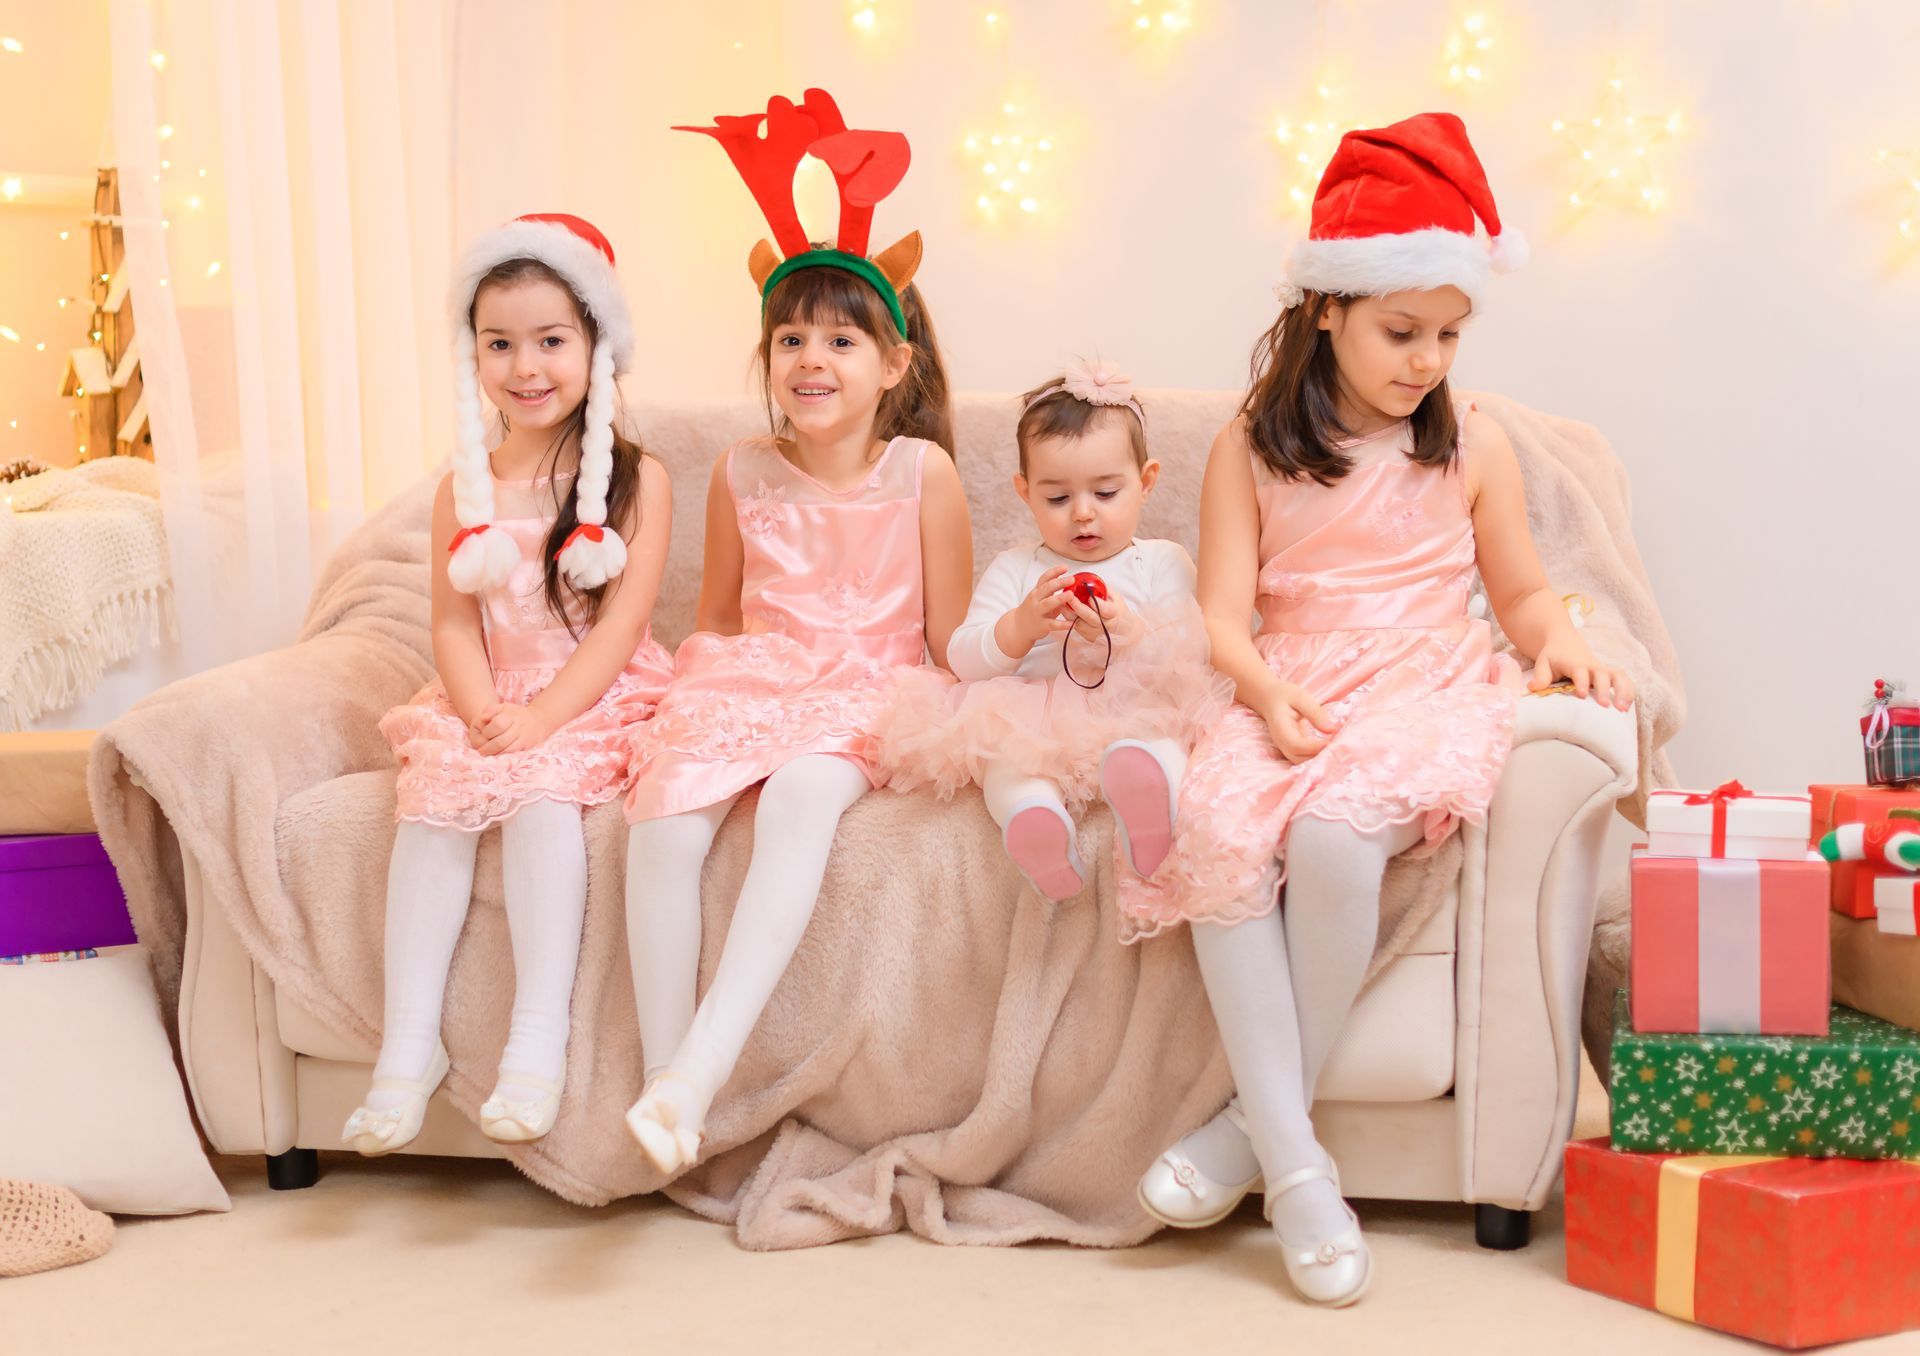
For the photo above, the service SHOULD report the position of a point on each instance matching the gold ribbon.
(1677, 1226)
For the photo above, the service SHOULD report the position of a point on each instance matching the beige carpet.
(430, 1255)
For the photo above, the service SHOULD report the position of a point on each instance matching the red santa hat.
(1395, 211)
(575, 250)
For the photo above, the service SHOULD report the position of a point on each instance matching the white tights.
(1281, 987)
(793, 827)
(543, 860)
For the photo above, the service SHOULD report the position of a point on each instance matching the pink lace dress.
(831, 601)
(443, 778)
(1363, 602)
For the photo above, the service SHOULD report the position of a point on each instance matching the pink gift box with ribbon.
(1736, 947)
(1729, 821)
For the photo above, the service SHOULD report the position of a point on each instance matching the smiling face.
(1086, 491)
(1392, 350)
(533, 351)
(827, 375)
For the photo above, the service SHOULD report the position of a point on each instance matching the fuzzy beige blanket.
(946, 1053)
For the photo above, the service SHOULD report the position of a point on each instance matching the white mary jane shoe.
(374, 1133)
(506, 1122)
(1334, 1273)
(654, 1122)
(1175, 1191)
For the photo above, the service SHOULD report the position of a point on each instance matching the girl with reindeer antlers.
(837, 550)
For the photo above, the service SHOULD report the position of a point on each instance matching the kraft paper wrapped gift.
(1875, 972)
(1788, 1251)
(1728, 821)
(1730, 946)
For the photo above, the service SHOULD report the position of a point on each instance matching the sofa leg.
(292, 1170)
(1495, 1226)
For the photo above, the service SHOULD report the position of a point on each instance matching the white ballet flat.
(374, 1133)
(654, 1123)
(1175, 1191)
(1334, 1273)
(506, 1122)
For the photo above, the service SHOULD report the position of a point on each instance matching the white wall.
(1749, 351)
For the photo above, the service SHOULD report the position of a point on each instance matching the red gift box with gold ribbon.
(1792, 1251)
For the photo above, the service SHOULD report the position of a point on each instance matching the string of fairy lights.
(1616, 150)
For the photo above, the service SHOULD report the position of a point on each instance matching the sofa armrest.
(1527, 896)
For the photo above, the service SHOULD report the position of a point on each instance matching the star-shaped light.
(1012, 161)
(1465, 55)
(1906, 165)
(1308, 145)
(1615, 148)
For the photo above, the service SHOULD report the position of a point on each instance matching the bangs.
(829, 296)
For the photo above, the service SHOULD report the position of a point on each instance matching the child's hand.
(1569, 658)
(1122, 622)
(1299, 725)
(1043, 612)
(509, 728)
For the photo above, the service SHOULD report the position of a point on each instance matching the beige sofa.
(1454, 1081)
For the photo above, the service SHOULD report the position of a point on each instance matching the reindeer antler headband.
(866, 167)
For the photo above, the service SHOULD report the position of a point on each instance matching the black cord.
(1067, 668)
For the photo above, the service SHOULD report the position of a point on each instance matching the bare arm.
(1229, 575)
(1527, 608)
(625, 609)
(946, 550)
(459, 643)
(726, 561)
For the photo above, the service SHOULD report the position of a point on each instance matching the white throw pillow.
(90, 1098)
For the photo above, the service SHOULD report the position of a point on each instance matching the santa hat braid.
(594, 553)
(483, 556)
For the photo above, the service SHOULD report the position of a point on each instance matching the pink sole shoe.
(1040, 839)
(1136, 785)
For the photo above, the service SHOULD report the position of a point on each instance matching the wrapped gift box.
(59, 893)
(1875, 973)
(1728, 821)
(1891, 738)
(1894, 896)
(1786, 1251)
(1852, 1094)
(1730, 946)
(1851, 884)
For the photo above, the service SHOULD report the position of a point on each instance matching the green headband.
(855, 264)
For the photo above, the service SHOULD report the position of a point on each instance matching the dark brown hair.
(919, 406)
(623, 485)
(1050, 413)
(1292, 409)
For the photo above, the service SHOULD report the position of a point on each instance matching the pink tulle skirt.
(445, 780)
(944, 735)
(1425, 722)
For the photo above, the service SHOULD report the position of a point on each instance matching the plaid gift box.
(1890, 734)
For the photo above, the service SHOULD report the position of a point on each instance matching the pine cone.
(19, 470)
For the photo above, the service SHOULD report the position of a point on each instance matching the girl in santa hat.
(1350, 504)
(1083, 660)
(547, 555)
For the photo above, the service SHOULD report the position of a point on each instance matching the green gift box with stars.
(1854, 1093)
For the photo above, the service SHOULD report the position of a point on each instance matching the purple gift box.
(58, 892)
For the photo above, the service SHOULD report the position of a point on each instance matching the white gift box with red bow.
(1729, 822)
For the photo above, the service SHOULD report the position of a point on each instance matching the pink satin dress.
(443, 778)
(1362, 598)
(831, 603)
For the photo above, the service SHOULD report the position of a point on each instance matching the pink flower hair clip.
(1096, 383)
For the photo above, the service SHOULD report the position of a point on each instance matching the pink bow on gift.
(1718, 798)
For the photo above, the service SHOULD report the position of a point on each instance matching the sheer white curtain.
(286, 173)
